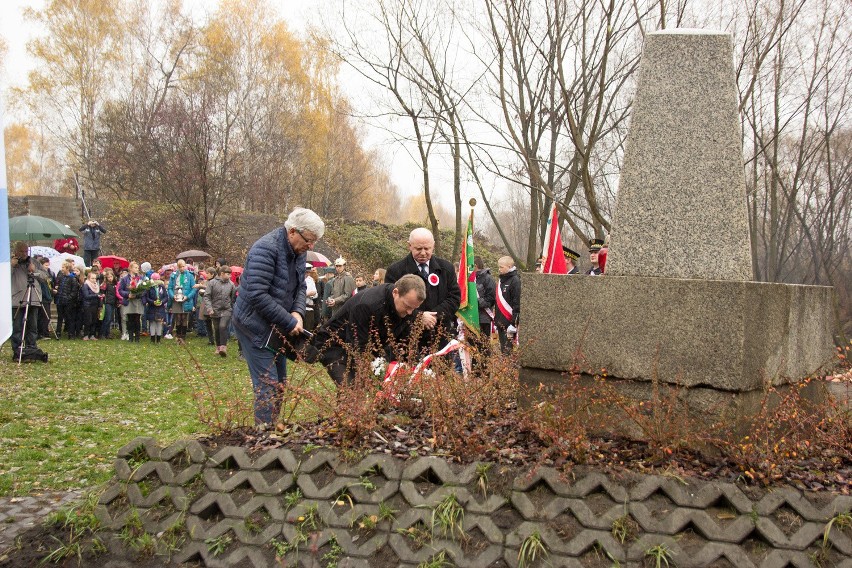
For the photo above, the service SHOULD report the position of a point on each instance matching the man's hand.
(330, 301)
(299, 324)
(430, 319)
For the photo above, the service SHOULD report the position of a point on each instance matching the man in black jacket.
(442, 290)
(376, 321)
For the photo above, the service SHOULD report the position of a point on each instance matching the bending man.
(376, 321)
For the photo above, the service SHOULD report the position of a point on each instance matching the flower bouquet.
(142, 286)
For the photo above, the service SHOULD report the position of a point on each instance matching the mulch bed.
(406, 436)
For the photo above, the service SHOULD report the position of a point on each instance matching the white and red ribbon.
(390, 387)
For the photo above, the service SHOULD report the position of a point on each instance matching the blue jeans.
(200, 325)
(109, 309)
(268, 374)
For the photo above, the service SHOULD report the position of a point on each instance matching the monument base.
(724, 335)
(680, 411)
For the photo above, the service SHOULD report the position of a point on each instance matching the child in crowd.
(182, 298)
(132, 302)
(91, 306)
(78, 276)
(109, 290)
(156, 300)
(218, 304)
(203, 325)
(122, 320)
(65, 293)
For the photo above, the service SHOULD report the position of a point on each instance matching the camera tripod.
(25, 304)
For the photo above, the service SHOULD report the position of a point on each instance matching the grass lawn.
(61, 423)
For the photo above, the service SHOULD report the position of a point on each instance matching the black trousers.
(29, 331)
(134, 326)
(44, 320)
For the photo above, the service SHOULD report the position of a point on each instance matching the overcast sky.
(299, 14)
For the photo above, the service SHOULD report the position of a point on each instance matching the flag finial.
(472, 202)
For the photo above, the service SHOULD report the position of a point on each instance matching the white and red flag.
(554, 260)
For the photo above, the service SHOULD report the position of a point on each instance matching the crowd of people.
(98, 302)
(280, 306)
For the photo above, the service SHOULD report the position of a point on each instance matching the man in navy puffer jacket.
(272, 293)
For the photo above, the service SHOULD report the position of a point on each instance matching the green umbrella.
(35, 228)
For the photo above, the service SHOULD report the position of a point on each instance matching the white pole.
(5, 261)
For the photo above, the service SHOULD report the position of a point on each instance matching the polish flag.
(554, 260)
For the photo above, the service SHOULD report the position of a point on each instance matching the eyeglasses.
(309, 242)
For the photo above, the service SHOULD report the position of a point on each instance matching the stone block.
(681, 204)
(725, 335)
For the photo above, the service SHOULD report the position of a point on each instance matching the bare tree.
(387, 64)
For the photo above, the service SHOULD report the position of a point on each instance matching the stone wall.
(309, 502)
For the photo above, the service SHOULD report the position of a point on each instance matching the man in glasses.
(271, 301)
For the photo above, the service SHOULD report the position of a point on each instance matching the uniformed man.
(595, 246)
(571, 257)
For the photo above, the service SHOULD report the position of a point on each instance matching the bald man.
(442, 290)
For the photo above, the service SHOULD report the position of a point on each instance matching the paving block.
(192, 449)
(258, 538)
(439, 467)
(331, 489)
(411, 494)
(237, 458)
(357, 544)
(145, 442)
(228, 480)
(175, 495)
(800, 540)
(583, 513)
(385, 489)
(484, 523)
(389, 466)
(318, 459)
(636, 551)
(277, 458)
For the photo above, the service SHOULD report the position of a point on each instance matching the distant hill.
(149, 231)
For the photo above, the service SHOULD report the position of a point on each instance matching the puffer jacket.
(219, 297)
(68, 293)
(272, 286)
